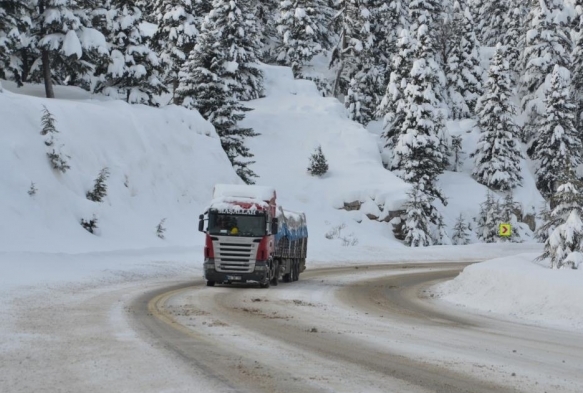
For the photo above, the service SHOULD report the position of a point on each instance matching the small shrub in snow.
(508, 211)
(160, 229)
(32, 190)
(417, 223)
(336, 233)
(318, 164)
(89, 225)
(461, 232)
(488, 219)
(100, 187)
(57, 158)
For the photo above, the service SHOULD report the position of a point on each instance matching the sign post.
(504, 230)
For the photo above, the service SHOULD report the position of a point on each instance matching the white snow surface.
(164, 163)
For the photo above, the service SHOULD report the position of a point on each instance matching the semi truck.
(250, 238)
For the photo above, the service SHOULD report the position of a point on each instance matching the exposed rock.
(349, 206)
(530, 220)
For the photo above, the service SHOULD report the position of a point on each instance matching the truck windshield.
(236, 224)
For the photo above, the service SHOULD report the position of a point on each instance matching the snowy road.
(344, 329)
(347, 330)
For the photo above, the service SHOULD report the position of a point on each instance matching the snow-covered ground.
(164, 163)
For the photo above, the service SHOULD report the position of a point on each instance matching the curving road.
(367, 329)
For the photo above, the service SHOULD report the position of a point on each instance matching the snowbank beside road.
(518, 287)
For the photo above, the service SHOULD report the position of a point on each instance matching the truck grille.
(235, 255)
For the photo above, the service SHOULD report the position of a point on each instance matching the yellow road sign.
(504, 230)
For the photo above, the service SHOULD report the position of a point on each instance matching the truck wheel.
(296, 270)
(275, 279)
(264, 284)
(210, 283)
(287, 277)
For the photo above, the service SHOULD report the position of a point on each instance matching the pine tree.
(391, 108)
(70, 48)
(15, 25)
(497, 155)
(455, 86)
(266, 12)
(470, 68)
(302, 32)
(488, 219)
(508, 215)
(419, 151)
(417, 225)
(511, 38)
(577, 64)
(564, 245)
(100, 187)
(318, 163)
(461, 235)
(544, 231)
(558, 144)
(205, 85)
(547, 44)
(456, 152)
(133, 71)
(388, 20)
(353, 53)
(178, 26)
(57, 158)
(491, 21)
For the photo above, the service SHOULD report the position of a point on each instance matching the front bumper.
(259, 274)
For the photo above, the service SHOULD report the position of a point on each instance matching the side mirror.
(274, 226)
(201, 223)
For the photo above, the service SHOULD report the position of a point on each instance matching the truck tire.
(210, 283)
(275, 278)
(265, 284)
(287, 277)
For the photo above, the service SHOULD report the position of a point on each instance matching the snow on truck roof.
(262, 193)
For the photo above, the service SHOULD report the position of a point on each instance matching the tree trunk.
(47, 74)
(46, 59)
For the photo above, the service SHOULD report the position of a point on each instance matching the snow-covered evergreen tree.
(547, 44)
(15, 24)
(497, 155)
(491, 21)
(178, 23)
(564, 245)
(388, 20)
(508, 210)
(577, 64)
(417, 225)
(461, 232)
(488, 219)
(392, 104)
(99, 190)
(358, 103)
(470, 68)
(455, 87)
(70, 48)
(511, 38)
(266, 12)
(543, 232)
(57, 158)
(558, 143)
(456, 153)
(205, 84)
(302, 28)
(133, 71)
(318, 163)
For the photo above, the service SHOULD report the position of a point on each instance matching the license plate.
(234, 278)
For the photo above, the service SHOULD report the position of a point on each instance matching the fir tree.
(544, 231)
(455, 86)
(318, 163)
(564, 245)
(558, 144)
(302, 32)
(470, 68)
(511, 39)
(358, 103)
(508, 215)
(417, 225)
(391, 108)
(160, 229)
(547, 44)
(497, 155)
(70, 48)
(488, 219)
(266, 12)
(577, 64)
(456, 152)
(133, 71)
(491, 21)
(206, 86)
(15, 25)
(100, 187)
(178, 26)
(461, 235)
(57, 158)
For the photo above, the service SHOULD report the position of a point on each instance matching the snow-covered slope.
(163, 164)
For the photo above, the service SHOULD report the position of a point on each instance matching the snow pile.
(163, 163)
(518, 287)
